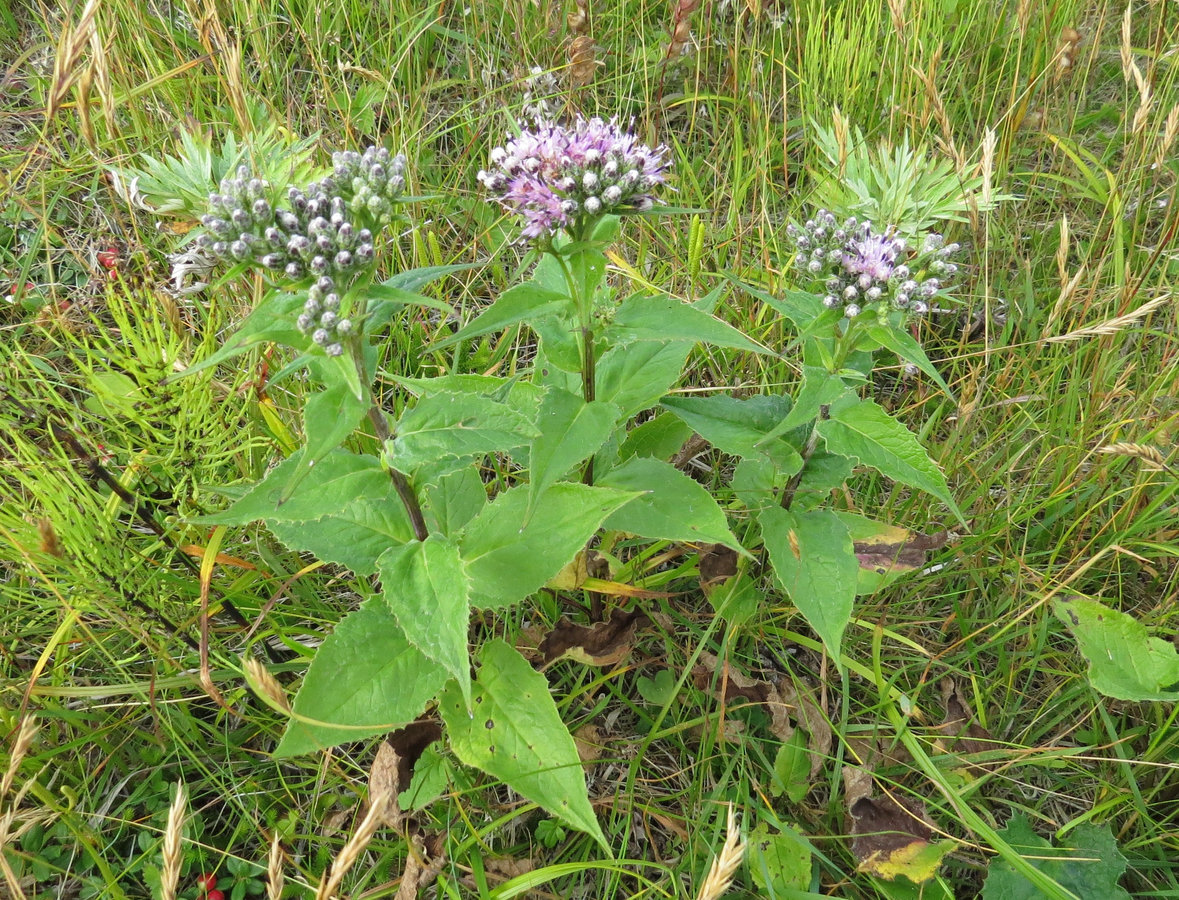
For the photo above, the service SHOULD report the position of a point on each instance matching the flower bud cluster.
(321, 317)
(861, 266)
(324, 232)
(555, 176)
(370, 182)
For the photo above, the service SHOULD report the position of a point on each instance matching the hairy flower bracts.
(559, 177)
(861, 266)
(324, 232)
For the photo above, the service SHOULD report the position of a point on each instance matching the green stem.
(409, 498)
(583, 306)
(405, 491)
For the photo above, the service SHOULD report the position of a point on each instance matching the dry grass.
(725, 864)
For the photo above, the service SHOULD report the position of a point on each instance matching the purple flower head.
(859, 265)
(556, 176)
(872, 254)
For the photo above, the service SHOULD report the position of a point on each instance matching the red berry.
(215, 895)
(108, 258)
(207, 881)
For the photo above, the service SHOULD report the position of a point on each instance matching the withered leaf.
(603, 644)
(787, 705)
(586, 564)
(893, 836)
(422, 866)
(409, 743)
(895, 550)
(506, 867)
(590, 744)
(717, 563)
(583, 63)
(958, 733)
(384, 783)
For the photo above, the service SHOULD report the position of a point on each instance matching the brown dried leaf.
(603, 644)
(384, 783)
(507, 867)
(422, 866)
(800, 706)
(788, 707)
(590, 744)
(717, 563)
(583, 62)
(959, 734)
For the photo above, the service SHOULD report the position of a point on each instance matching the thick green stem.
(409, 498)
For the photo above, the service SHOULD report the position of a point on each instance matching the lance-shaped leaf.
(663, 318)
(332, 484)
(329, 417)
(448, 426)
(521, 303)
(813, 559)
(425, 585)
(865, 431)
(670, 507)
(515, 733)
(570, 430)
(366, 678)
(819, 388)
(906, 347)
(271, 321)
(507, 560)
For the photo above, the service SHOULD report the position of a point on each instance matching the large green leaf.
(670, 507)
(815, 563)
(662, 318)
(570, 430)
(863, 430)
(366, 678)
(1125, 662)
(522, 396)
(515, 305)
(354, 536)
(425, 584)
(637, 377)
(332, 484)
(1089, 864)
(740, 427)
(516, 735)
(329, 416)
(507, 560)
(445, 426)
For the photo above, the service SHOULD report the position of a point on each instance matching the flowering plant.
(417, 514)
